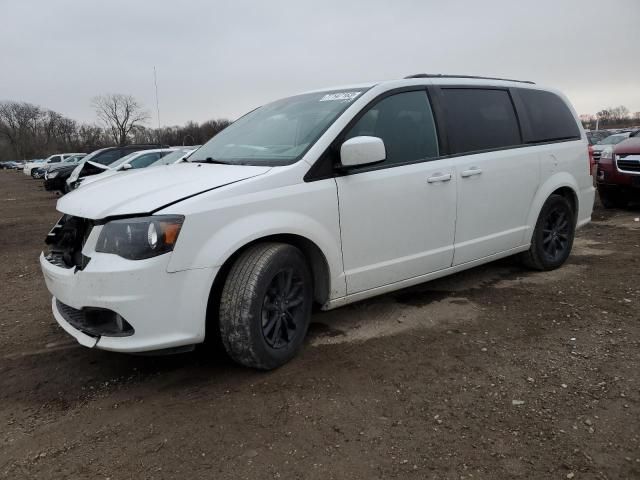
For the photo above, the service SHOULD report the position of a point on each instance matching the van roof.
(474, 77)
(446, 79)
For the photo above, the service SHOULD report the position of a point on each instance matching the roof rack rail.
(440, 75)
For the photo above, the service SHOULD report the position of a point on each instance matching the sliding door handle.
(471, 172)
(439, 178)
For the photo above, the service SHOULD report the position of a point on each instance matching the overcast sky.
(221, 58)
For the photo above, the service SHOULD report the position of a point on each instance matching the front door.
(397, 218)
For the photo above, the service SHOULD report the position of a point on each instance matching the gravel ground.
(493, 373)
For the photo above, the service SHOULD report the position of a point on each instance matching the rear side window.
(480, 119)
(110, 156)
(549, 117)
(404, 122)
(145, 159)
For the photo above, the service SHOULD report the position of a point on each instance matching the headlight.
(607, 153)
(52, 174)
(140, 238)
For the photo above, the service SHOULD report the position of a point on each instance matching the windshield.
(278, 133)
(612, 140)
(73, 158)
(172, 157)
(93, 154)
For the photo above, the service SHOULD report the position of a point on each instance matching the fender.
(242, 231)
(553, 183)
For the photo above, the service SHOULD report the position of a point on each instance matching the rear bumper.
(166, 310)
(586, 201)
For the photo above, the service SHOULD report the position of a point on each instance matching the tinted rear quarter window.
(480, 119)
(549, 117)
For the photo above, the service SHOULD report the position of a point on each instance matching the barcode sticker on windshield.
(340, 96)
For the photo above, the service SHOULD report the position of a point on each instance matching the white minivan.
(324, 199)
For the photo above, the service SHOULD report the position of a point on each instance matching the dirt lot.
(493, 373)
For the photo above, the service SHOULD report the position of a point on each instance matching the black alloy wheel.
(555, 235)
(265, 305)
(552, 238)
(282, 312)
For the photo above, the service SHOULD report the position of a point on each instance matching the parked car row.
(68, 171)
(43, 165)
(618, 171)
(11, 165)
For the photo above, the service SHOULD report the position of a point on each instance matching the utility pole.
(155, 81)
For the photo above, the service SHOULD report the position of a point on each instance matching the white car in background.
(137, 160)
(608, 143)
(43, 170)
(57, 158)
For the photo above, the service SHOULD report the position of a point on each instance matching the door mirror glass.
(362, 150)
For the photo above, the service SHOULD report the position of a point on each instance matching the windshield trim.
(280, 163)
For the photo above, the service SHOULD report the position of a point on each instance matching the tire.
(611, 199)
(259, 326)
(553, 236)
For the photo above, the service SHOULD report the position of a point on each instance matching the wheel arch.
(561, 183)
(314, 255)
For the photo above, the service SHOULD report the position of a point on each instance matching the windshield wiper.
(210, 160)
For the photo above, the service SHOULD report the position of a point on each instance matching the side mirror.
(127, 166)
(362, 151)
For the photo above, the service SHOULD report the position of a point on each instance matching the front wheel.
(610, 198)
(553, 236)
(265, 306)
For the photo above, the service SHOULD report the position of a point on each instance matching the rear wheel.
(552, 238)
(265, 306)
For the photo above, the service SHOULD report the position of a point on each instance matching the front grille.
(66, 240)
(95, 322)
(72, 315)
(57, 260)
(627, 165)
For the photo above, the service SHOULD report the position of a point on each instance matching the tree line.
(29, 131)
(611, 117)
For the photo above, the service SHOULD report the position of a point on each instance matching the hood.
(630, 145)
(148, 190)
(100, 176)
(61, 167)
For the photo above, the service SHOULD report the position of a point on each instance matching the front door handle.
(439, 178)
(471, 172)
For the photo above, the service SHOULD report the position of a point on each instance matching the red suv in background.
(618, 175)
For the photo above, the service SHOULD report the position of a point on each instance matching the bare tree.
(120, 114)
(90, 137)
(19, 122)
(619, 113)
